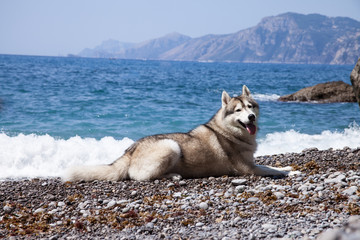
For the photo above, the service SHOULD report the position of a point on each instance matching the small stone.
(53, 211)
(170, 185)
(339, 179)
(199, 224)
(125, 210)
(268, 226)
(184, 206)
(237, 182)
(240, 189)
(133, 193)
(252, 236)
(7, 209)
(279, 195)
(253, 199)
(319, 188)
(51, 197)
(299, 179)
(177, 194)
(55, 237)
(111, 204)
(203, 205)
(227, 194)
(149, 225)
(182, 183)
(39, 210)
(237, 219)
(350, 191)
(272, 230)
(82, 205)
(60, 204)
(85, 213)
(122, 201)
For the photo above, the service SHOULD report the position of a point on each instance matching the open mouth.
(250, 127)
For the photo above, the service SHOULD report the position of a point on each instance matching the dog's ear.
(225, 98)
(245, 91)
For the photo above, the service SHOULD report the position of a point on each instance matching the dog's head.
(242, 112)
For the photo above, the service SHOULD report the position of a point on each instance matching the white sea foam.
(265, 97)
(44, 156)
(293, 141)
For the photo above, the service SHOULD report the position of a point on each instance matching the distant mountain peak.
(175, 35)
(285, 38)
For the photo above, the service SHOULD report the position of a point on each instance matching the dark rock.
(329, 92)
(355, 80)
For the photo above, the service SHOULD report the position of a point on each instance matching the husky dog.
(223, 146)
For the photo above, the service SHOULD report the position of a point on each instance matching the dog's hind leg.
(153, 160)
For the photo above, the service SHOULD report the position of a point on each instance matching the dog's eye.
(238, 110)
(249, 106)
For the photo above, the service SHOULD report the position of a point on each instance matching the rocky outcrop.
(355, 80)
(329, 92)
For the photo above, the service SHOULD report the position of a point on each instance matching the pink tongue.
(251, 128)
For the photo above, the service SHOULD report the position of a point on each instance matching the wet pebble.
(237, 182)
(203, 205)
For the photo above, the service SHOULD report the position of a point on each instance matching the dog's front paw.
(289, 171)
(293, 173)
(173, 176)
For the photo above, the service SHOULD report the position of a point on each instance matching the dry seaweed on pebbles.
(323, 199)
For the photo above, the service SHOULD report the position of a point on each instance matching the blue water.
(64, 97)
(96, 98)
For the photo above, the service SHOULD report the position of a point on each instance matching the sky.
(61, 27)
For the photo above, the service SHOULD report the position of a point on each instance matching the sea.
(56, 112)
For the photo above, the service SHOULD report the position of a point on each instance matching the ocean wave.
(265, 97)
(45, 156)
(293, 141)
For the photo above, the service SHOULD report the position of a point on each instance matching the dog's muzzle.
(250, 127)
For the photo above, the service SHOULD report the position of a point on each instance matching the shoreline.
(324, 197)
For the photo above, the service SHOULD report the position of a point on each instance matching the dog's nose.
(251, 117)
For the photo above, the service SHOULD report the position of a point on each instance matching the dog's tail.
(115, 171)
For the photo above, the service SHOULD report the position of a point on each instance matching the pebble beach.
(322, 202)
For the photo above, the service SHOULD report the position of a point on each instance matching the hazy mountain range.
(286, 38)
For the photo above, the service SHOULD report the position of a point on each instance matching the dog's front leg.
(262, 170)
